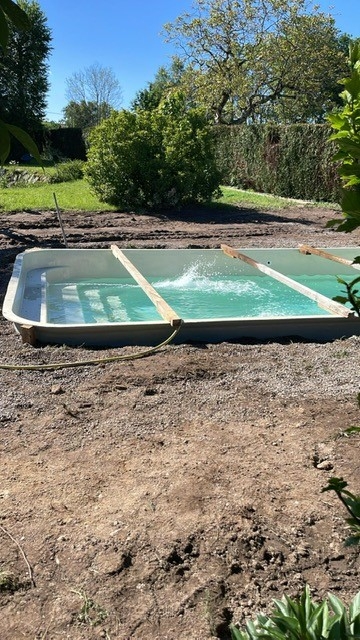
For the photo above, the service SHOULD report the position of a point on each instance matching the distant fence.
(62, 143)
(67, 141)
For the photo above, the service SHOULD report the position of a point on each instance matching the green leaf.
(352, 84)
(340, 299)
(333, 223)
(17, 16)
(335, 484)
(350, 203)
(353, 282)
(347, 170)
(336, 120)
(236, 634)
(318, 621)
(354, 609)
(351, 430)
(286, 623)
(282, 606)
(337, 606)
(271, 633)
(25, 140)
(351, 181)
(352, 541)
(350, 146)
(252, 629)
(341, 280)
(335, 632)
(354, 53)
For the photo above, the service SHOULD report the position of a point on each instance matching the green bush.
(68, 171)
(305, 620)
(153, 159)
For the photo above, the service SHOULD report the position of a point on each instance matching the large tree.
(250, 59)
(95, 90)
(24, 70)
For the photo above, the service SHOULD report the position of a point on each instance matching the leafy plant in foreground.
(303, 619)
(351, 503)
(351, 294)
(346, 124)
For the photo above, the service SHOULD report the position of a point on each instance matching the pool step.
(79, 303)
(33, 306)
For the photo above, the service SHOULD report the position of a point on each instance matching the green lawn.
(71, 196)
(76, 196)
(261, 200)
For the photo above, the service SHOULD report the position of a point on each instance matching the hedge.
(293, 161)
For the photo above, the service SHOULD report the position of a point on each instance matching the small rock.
(57, 389)
(325, 465)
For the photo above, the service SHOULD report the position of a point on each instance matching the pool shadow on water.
(219, 213)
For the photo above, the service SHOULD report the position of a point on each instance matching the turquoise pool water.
(191, 295)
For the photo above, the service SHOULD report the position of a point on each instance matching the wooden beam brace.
(28, 335)
(304, 248)
(161, 305)
(325, 303)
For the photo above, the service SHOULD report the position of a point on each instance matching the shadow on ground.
(227, 214)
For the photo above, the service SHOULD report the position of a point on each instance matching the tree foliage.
(153, 159)
(165, 81)
(12, 16)
(24, 70)
(85, 115)
(10, 11)
(92, 93)
(251, 60)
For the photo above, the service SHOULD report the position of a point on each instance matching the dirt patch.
(163, 498)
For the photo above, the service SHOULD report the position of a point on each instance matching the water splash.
(194, 279)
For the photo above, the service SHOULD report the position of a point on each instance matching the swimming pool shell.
(49, 266)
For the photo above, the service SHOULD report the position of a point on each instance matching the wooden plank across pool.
(325, 303)
(161, 305)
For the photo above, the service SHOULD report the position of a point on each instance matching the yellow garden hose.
(86, 363)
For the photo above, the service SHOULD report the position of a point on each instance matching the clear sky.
(125, 35)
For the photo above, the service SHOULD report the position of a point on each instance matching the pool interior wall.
(44, 268)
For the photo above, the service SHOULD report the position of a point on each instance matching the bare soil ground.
(165, 497)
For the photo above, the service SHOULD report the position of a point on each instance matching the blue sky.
(126, 36)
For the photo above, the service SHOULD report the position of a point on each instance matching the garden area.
(167, 497)
(178, 494)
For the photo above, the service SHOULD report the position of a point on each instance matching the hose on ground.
(86, 363)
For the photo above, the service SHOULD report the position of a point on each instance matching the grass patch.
(71, 196)
(233, 196)
(76, 196)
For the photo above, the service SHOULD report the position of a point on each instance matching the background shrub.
(153, 159)
(68, 171)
